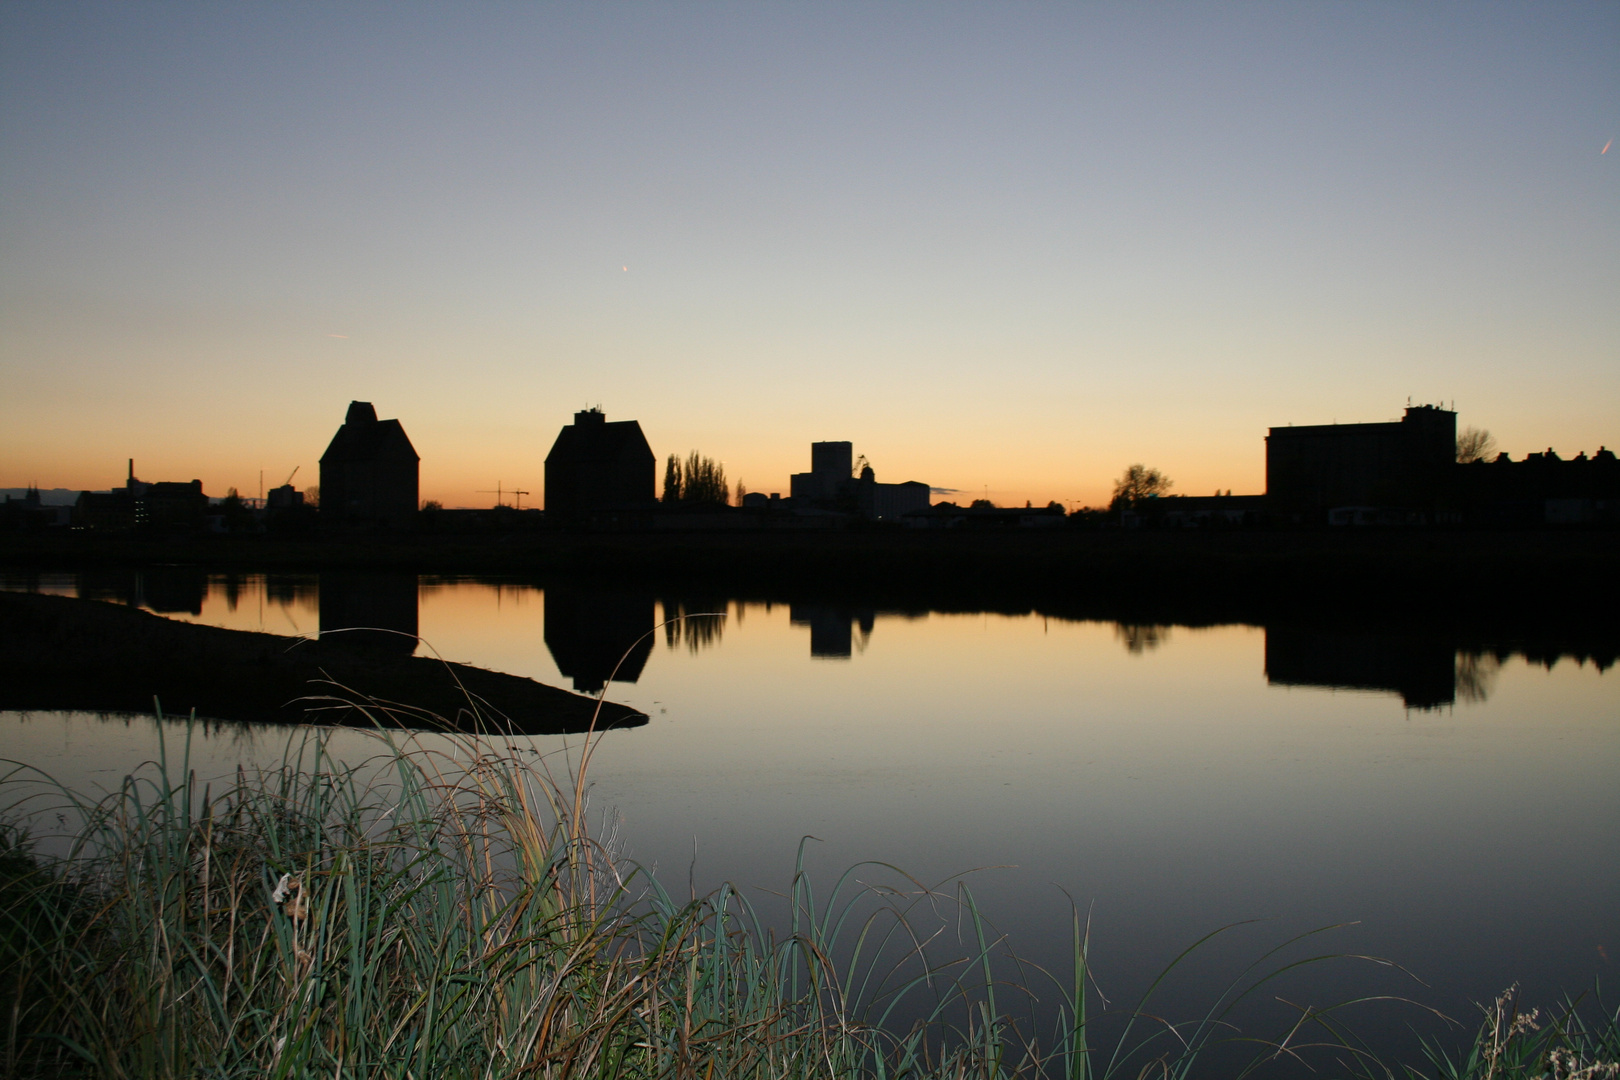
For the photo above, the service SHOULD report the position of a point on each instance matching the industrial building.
(1403, 465)
(595, 465)
(370, 473)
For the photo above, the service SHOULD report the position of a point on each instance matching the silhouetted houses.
(595, 466)
(1543, 489)
(370, 473)
(1405, 465)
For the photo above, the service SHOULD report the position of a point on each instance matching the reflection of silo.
(589, 634)
(375, 611)
(831, 635)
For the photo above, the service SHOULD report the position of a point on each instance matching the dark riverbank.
(1565, 577)
(61, 653)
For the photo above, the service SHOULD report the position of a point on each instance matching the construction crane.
(290, 475)
(500, 494)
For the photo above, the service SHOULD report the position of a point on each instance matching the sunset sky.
(1003, 248)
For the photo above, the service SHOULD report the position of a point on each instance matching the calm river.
(1459, 810)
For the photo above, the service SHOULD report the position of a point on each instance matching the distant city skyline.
(1006, 250)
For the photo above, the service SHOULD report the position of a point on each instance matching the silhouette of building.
(31, 512)
(171, 504)
(832, 466)
(595, 465)
(888, 502)
(285, 497)
(370, 473)
(161, 505)
(830, 485)
(1405, 464)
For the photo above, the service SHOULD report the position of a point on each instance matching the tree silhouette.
(1474, 444)
(704, 481)
(672, 480)
(1136, 486)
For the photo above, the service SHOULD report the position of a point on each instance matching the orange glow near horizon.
(951, 240)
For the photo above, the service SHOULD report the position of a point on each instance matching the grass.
(443, 910)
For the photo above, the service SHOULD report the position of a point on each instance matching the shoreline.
(1241, 575)
(60, 653)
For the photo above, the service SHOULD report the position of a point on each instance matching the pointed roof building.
(596, 465)
(370, 473)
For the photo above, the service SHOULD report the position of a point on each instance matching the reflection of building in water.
(164, 589)
(590, 634)
(374, 611)
(1422, 670)
(832, 634)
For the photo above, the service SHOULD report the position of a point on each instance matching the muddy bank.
(61, 653)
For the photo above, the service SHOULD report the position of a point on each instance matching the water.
(1459, 809)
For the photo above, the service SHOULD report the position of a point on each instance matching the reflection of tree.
(286, 590)
(698, 623)
(1476, 675)
(1141, 637)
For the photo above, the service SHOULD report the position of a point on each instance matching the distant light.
(345, 336)
(627, 269)
(1606, 146)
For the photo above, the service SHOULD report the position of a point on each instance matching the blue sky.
(1004, 247)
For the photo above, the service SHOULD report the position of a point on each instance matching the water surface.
(1459, 808)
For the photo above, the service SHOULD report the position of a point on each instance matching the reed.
(442, 910)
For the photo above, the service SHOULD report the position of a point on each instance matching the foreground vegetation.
(445, 912)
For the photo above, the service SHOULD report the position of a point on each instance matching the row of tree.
(701, 480)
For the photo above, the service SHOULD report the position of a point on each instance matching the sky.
(1006, 249)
